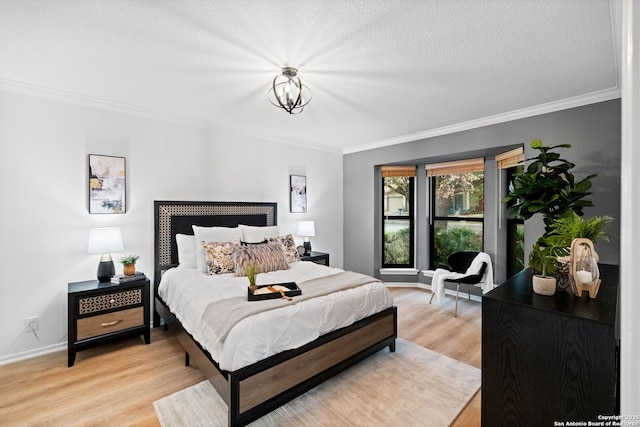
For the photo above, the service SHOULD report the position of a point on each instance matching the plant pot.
(129, 269)
(544, 285)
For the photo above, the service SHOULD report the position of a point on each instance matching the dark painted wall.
(592, 130)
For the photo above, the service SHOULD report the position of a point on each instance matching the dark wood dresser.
(548, 359)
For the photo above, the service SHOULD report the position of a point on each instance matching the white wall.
(44, 220)
(630, 184)
(259, 169)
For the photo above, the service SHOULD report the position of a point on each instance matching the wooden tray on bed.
(293, 291)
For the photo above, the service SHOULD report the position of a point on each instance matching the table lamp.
(306, 229)
(104, 241)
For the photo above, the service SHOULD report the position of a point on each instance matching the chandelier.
(288, 92)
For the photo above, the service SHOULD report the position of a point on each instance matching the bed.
(256, 384)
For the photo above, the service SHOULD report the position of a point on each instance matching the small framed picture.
(107, 184)
(298, 186)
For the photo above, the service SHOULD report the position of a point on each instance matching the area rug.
(412, 387)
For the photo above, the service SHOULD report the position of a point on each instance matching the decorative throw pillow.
(289, 246)
(267, 257)
(220, 256)
(212, 234)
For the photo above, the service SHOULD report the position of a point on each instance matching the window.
(513, 161)
(457, 208)
(515, 235)
(398, 216)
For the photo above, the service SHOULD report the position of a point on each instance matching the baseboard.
(40, 351)
(451, 292)
(407, 285)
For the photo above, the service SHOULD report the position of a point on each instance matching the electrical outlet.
(31, 324)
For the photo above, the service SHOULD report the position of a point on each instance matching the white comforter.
(188, 292)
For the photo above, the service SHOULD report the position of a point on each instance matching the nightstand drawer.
(110, 322)
(109, 301)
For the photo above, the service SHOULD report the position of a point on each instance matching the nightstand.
(317, 257)
(105, 312)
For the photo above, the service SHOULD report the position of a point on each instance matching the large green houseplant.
(548, 187)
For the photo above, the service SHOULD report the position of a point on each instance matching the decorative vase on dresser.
(544, 285)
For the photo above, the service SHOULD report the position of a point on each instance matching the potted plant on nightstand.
(129, 264)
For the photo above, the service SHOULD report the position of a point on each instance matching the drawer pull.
(112, 301)
(115, 322)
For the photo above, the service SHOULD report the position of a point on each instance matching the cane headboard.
(175, 217)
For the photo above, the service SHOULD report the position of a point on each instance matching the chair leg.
(469, 291)
(431, 299)
(455, 314)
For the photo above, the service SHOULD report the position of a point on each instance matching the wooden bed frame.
(257, 389)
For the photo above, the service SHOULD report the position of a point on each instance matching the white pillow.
(186, 250)
(212, 234)
(253, 234)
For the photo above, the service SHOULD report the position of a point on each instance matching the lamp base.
(307, 247)
(106, 270)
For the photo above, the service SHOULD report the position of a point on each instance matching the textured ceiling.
(380, 71)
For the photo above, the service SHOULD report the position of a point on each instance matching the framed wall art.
(298, 186)
(107, 184)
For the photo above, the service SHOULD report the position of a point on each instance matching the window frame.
(512, 223)
(434, 218)
(410, 217)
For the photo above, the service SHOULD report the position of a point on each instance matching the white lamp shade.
(105, 240)
(306, 229)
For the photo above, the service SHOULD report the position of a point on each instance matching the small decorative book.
(124, 278)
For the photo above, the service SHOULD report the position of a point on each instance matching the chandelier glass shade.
(288, 92)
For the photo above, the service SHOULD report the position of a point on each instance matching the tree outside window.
(458, 214)
(397, 248)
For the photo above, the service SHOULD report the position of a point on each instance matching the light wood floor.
(115, 385)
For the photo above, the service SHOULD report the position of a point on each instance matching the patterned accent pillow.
(290, 251)
(267, 257)
(219, 256)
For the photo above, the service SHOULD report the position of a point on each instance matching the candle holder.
(585, 275)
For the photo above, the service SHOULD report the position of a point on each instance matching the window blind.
(392, 171)
(511, 158)
(455, 167)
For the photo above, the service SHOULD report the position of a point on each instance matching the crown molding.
(88, 101)
(29, 89)
(15, 86)
(551, 107)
